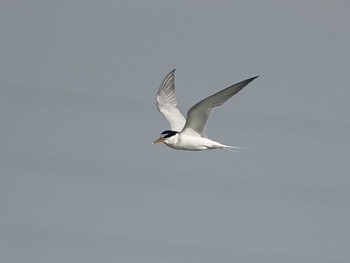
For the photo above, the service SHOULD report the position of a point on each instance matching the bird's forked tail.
(233, 148)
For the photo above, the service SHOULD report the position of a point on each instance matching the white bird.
(188, 134)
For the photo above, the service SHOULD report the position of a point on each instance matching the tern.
(188, 134)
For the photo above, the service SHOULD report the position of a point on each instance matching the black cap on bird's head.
(164, 135)
(167, 133)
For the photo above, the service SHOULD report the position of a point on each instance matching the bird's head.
(165, 135)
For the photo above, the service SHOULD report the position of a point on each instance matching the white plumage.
(188, 134)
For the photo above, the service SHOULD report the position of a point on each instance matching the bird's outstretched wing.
(198, 115)
(166, 103)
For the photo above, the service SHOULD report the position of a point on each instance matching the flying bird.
(188, 134)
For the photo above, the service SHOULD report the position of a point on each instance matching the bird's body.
(183, 141)
(188, 134)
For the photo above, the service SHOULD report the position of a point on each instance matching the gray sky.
(80, 180)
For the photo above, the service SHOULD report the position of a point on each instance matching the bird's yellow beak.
(159, 140)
